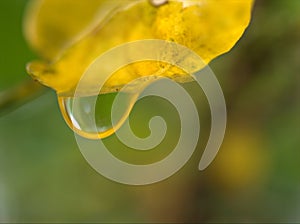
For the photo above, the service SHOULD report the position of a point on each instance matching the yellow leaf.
(209, 27)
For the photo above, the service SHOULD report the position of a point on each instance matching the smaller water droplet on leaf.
(158, 2)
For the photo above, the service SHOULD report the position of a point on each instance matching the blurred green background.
(255, 177)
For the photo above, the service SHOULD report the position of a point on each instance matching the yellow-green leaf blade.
(210, 28)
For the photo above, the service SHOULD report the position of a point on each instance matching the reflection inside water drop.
(90, 116)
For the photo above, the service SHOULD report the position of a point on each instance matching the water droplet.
(158, 2)
(90, 116)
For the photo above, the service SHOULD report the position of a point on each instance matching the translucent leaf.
(209, 27)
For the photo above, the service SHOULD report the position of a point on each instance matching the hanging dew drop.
(90, 116)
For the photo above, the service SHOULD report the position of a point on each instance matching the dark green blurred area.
(255, 177)
(14, 51)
